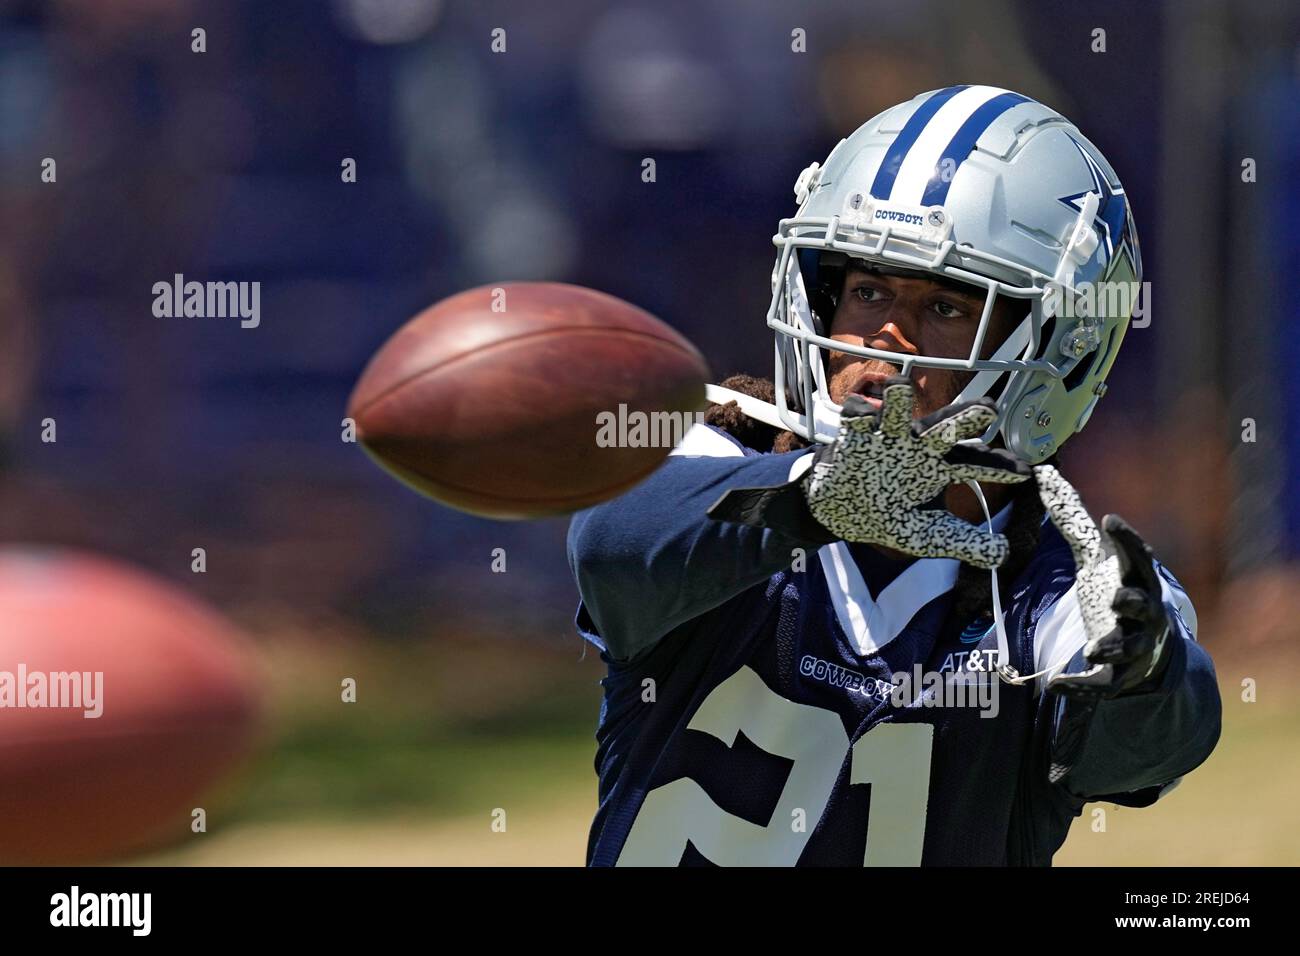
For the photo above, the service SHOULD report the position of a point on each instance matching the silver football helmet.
(983, 186)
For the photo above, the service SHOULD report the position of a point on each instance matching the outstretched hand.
(1119, 595)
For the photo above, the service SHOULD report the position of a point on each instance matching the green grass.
(373, 767)
(1236, 809)
(412, 744)
(442, 736)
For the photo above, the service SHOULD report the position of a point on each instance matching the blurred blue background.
(476, 166)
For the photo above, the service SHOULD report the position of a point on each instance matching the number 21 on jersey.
(893, 758)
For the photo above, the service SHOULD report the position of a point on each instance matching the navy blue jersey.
(774, 702)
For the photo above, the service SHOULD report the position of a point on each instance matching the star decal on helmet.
(1112, 210)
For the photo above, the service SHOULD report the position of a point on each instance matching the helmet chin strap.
(1005, 671)
(755, 408)
(826, 420)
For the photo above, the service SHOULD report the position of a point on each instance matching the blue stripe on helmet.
(963, 141)
(906, 137)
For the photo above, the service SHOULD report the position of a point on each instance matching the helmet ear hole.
(1079, 372)
(1095, 360)
(999, 387)
(1047, 335)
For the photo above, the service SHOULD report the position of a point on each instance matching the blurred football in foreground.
(527, 399)
(92, 767)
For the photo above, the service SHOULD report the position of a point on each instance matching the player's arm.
(1138, 705)
(651, 559)
(1129, 748)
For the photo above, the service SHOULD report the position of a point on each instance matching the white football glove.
(871, 484)
(884, 466)
(1119, 595)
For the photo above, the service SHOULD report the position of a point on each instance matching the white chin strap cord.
(1005, 671)
(765, 412)
(1079, 247)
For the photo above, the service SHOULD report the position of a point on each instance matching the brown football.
(123, 702)
(523, 400)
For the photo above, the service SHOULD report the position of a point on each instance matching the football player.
(788, 607)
